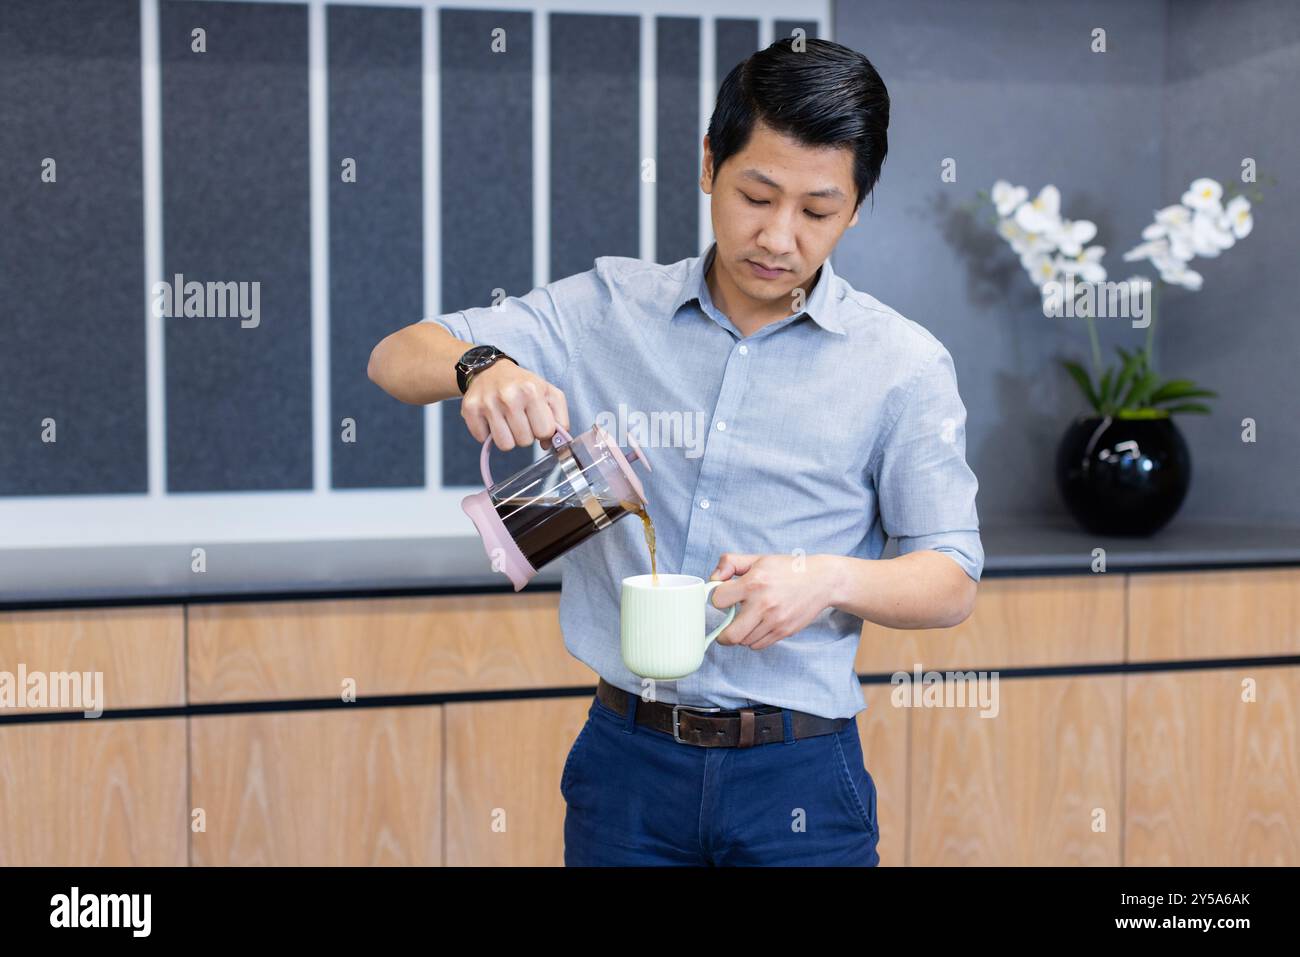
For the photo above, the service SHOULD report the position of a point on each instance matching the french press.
(584, 484)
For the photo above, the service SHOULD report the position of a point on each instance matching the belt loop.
(629, 719)
(787, 722)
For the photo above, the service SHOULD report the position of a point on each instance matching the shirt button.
(744, 350)
(704, 503)
(722, 426)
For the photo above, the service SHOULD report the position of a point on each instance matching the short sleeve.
(541, 330)
(925, 488)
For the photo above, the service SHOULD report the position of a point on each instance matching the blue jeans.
(635, 796)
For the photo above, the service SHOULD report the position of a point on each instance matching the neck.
(746, 313)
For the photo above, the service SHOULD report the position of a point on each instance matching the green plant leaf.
(1168, 394)
(1084, 381)
(1172, 389)
(1126, 374)
(1189, 407)
(1143, 413)
(1104, 392)
(1142, 386)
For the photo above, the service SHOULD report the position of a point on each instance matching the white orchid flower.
(1043, 213)
(1086, 265)
(1204, 193)
(1237, 217)
(1175, 272)
(1070, 235)
(1168, 219)
(1042, 269)
(1007, 197)
(1148, 250)
(1208, 236)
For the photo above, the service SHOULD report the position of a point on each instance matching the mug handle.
(731, 613)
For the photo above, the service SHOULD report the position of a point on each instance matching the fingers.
(514, 407)
(559, 406)
(747, 627)
(731, 564)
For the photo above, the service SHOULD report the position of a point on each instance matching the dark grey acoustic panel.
(733, 41)
(595, 139)
(376, 236)
(72, 293)
(236, 210)
(486, 156)
(677, 138)
(785, 28)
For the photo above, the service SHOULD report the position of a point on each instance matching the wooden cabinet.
(1127, 730)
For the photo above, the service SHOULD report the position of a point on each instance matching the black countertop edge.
(141, 575)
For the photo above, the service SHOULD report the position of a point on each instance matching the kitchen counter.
(153, 574)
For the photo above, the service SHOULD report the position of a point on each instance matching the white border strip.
(649, 131)
(432, 194)
(151, 140)
(708, 92)
(748, 9)
(318, 157)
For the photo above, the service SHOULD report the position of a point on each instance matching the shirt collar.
(818, 306)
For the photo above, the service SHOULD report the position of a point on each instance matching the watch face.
(478, 354)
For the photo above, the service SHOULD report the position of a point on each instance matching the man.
(832, 423)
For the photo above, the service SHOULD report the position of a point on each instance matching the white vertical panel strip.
(432, 190)
(649, 151)
(766, 27)
(541, 148)
(151, 138)
(707, 93)
(318, 137)
(542, 159)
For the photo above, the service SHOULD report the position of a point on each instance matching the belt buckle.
(676, 720)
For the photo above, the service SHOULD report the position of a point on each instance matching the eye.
(752, 200)
(817, 215)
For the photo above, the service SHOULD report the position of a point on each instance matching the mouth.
(765, 272)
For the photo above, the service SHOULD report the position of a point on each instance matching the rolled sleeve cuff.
(456, 324)
(964, 548)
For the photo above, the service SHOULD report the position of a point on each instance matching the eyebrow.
(830, 192)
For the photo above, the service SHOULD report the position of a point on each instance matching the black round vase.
(1123, 476)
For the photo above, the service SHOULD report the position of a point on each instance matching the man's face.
(778, 209)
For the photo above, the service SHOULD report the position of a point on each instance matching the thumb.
(732, 563)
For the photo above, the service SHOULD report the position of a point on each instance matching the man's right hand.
(513, 405)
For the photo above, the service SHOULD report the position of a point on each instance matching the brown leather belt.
(715, 727)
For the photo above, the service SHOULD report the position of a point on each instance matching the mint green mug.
(662, 626)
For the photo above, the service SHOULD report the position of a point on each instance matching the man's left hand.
(780, 595)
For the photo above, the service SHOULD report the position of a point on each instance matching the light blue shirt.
(827, 432)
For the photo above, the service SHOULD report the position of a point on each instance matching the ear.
(854, 221)
(706, 169)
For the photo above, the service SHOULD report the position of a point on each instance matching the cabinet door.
(1036, 783)
(504, 762)
(352, 786)
(1213, 768)
(1229, 614)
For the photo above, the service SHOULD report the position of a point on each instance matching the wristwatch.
(475, 361)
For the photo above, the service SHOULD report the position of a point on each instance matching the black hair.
(822, 95)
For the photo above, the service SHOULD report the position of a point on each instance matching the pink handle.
(487, 447)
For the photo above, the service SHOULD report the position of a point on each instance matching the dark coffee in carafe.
(544, 529)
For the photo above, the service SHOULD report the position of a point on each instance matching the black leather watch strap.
(475, 361)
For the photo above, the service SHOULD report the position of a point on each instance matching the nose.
(776, 237)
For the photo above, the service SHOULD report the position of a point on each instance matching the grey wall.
(1009, 91)
(1231, 78)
